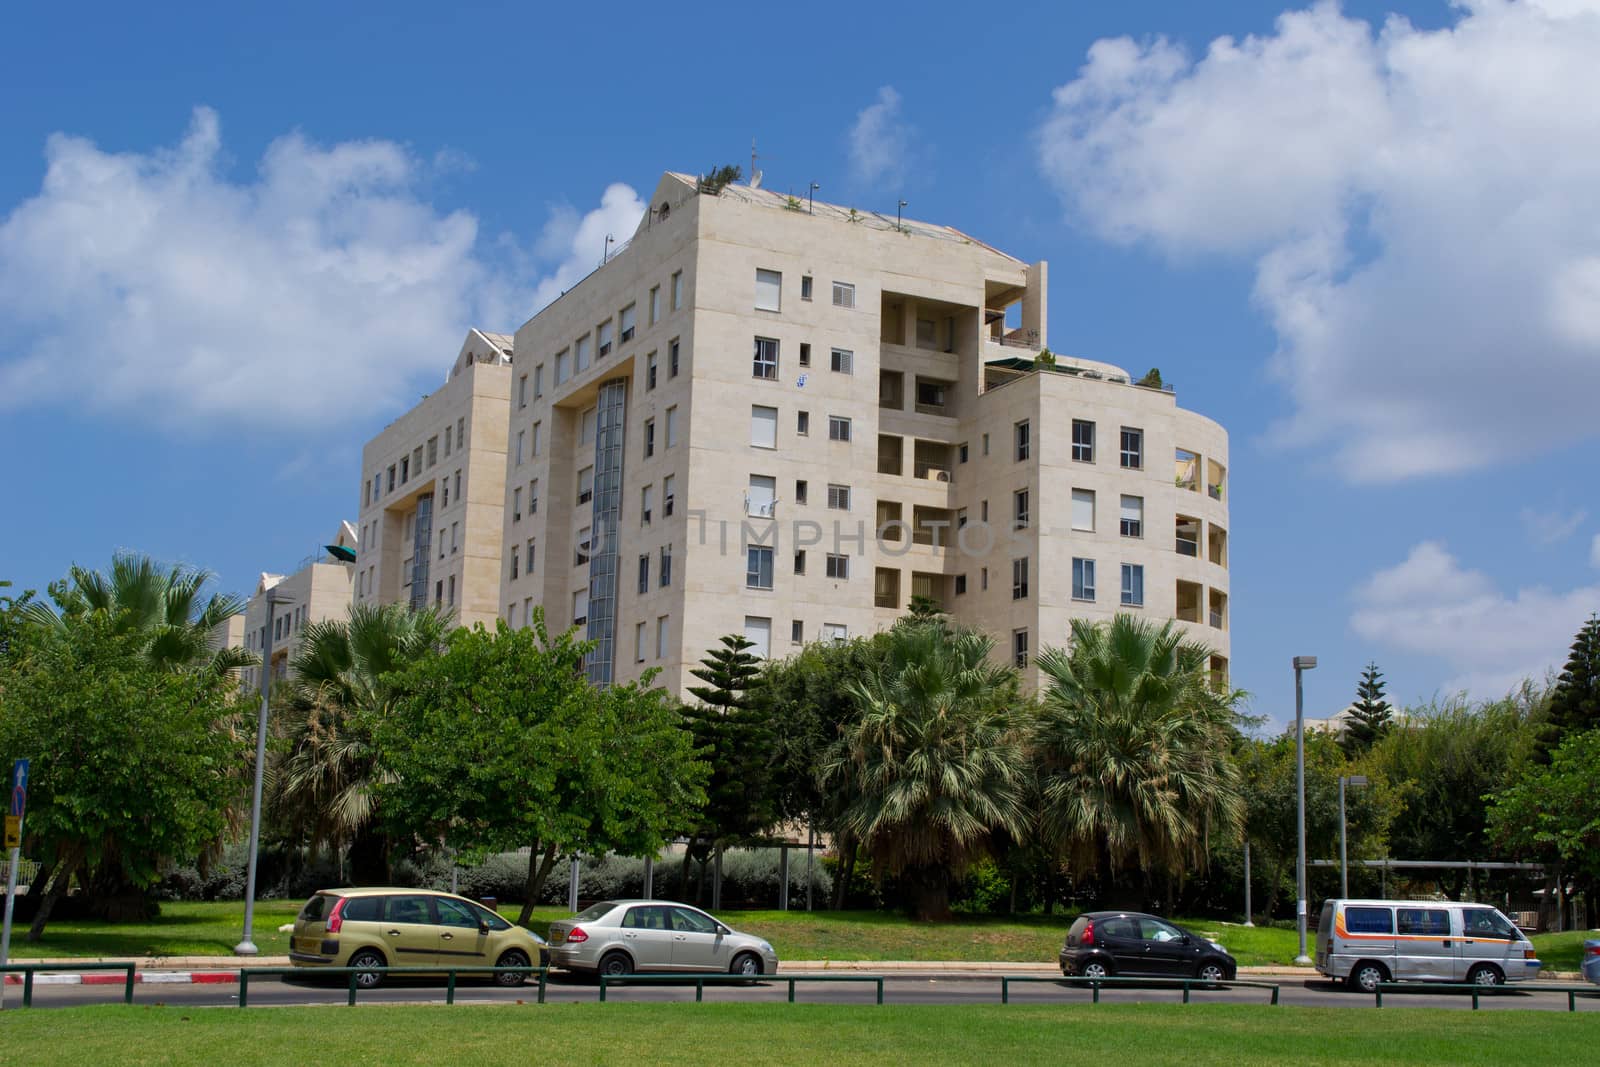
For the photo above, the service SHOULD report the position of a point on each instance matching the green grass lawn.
(803, 1033)
(212, 929)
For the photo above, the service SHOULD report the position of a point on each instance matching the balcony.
(933, 461)
(890, 524)
(1218, 613)
(1216, 474)
(891, 454)
(1186, 470)
(932, 526)
(886, 588)
(1217, 545)
(891, 390)
(929, 588)
(1190, 596)
(933, 396)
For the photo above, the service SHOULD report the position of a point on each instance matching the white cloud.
(320, 289)
(1419, 205)
(1546, 528)
(880, 140)
(1430, 605)
(577, 244)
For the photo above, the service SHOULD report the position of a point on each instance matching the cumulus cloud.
(1418, 203)
(1546, 528)
(322, 287)
(576, 244)
(880, 139)
(1431, 605)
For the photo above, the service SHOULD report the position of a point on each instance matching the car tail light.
(576, 935)
(1088, 933)
(336, 916)
(1533, 954)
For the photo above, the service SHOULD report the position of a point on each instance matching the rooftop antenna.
(755, 175)
(812, 199)
(897, 223)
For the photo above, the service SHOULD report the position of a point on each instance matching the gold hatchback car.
(409, 928)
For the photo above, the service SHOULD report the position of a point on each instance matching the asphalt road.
(900, 989)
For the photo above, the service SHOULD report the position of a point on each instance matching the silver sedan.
(617, 937)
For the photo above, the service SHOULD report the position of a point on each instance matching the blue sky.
(233, 244)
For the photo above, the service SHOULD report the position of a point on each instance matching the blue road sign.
(19, 787)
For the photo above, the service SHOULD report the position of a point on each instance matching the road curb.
(139, 977)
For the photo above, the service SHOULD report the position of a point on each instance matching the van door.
(1487, 937)
(1425, 944)
(1361, 932)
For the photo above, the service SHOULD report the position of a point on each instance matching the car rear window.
(595, 911)
(1368, 921)
(314, 908)
(363, 909)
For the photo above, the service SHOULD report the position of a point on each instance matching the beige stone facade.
(317, 591)
(858, 400)
(432, 487)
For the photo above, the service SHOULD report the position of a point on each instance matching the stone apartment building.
(785, 419)
(318, 590)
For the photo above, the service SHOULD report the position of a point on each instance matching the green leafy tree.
(165, 607)
(501, 743)
(347, 676)
(936, 765)
(1133, 750)
(732, 732)
(1554, 810)
(1575, 700)
(719, 178)
(1371, 715)
(130, 767)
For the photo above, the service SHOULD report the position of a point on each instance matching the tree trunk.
(683, 879)
(63, 878)
(929, 889)
(538, 872)
(369, 858)
(845, 872)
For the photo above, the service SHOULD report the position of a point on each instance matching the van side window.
(363, 909)
(1423, 922)
(1368, 921)
(1486, 922)
(495, 920)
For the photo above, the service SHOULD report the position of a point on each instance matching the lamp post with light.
(1344, 864)
(1301, 665)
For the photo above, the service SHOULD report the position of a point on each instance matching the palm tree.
(163, 603)
(1133, 750)
(323, 786)
(936, 766)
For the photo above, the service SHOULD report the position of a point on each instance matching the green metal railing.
(700, 981)
(1096, 983)
(28, 970)
(449, 986)
(1573, 992)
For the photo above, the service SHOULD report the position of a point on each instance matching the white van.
(1365, 942)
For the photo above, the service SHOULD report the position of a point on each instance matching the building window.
(836, 632)
(672, 426)
(1019, 501)
(461, 432)
(800, 561)
(538, 438)
(1019, 648)
(986, 444)
(445, 482)
(528, 566)
(758, 631)
(838, 428)
(1082, 579)
(842, 360)
(580, 607)
(450, 596)
(1023, 432)
(805, 354)
(677, 290)
(655, 304)
(1082, 441)
(1133, 585)
(769, 290)
(805, 287)
(663, 627)
(650, 372)
(765, 362)
(668, 494)
(797, 632)
(802, 423)
(763, 426)
(455, 540)
(638, 627)
(516, 562)
(538, 391)
(665, 568)
(533, 497)
(522, 397)
(1019, 578)
(602, 335)
(1133, 516)
(644, 573)
(625, 323)
(563, 366)
(758, 567)
(961, 452)
(1132, 448)
(983, 579)
(672, 358)
(433, 450)
(646, 499)
(580, 355)
(516, 504)
(587, 423)
(983, 511)
(405, 470)
(1083, 509)
(844, 295)
(839, 497)
(800, 487)
(586, 485)
(961, 584)
(580, 553)
(649, 438)
(930, 395)
(838, 566)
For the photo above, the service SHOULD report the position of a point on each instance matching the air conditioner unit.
(941, 476)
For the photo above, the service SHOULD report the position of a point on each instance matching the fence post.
(1474, 998)
(244, 986)
(449, 987)
(127, 990)
(1274, 996)
(783, 876)
(1005, 990)
(352, 1001)
(699, 990)
(602, 989)
(880, 990)
(542, 974)
(791, 991)
(1378, 993)
(1096, 987)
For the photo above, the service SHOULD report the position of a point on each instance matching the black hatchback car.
(1129, 943)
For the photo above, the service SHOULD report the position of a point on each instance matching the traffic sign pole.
(14, 813)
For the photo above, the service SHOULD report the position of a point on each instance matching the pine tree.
(1371, 715)
(1575, 700)
(733, 732)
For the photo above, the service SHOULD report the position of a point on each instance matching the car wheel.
(368, 957)
(615, 964)
(1364, 977)
(513, 958)
(1095, 969)
(1212, 971)
(747, 964)
(1485, 974)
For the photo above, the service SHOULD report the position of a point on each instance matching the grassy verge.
(781, 1033)
(212, 929)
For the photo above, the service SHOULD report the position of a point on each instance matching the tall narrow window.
(668, 493)
(663, 627)
(763, 426)
(802, 423)
(644, 572)
(758, 567)
(563, 366)
(805, 287)
(1083, 509)
(672, 358)
(580, 355)
(805, 354)
(586, 485)
(602, 339)
(516, 504)
(625, 324)
(666, 565)
(1082, 441)
(649, 438)
(769, 290)
(1082, 579)
(538, 391)
(1132, 516)
(1132, 585)
(655, 304)
(677, 289)
(638, 627)
(1132, 448)
(646, 500)
(765, 361)
(1023, 433)
(650, 372)
(533, 497)
(1020, 509)
(1019, 648)
(758, 631)
(580, 552)
(1019, 578)
(672, 426)
(522, 396)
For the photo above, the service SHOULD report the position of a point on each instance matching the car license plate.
(307, 944)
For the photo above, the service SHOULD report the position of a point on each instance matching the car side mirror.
(1185, 939)
(723, 931)
(483, 926)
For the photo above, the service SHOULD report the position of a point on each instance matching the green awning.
(341, 553)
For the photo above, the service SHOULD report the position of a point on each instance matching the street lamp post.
(1344, 863)
(247, 945)
(1301, 664)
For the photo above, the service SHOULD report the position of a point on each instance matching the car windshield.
(594, 911)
